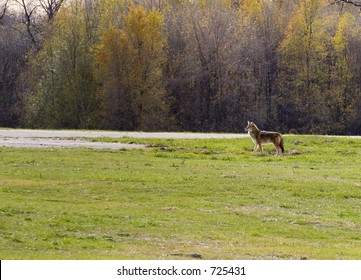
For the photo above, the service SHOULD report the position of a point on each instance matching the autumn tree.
(205, 57)
(63, 93)
(206, 65)
(340, 88)
(131, 58)
(114, 56)
(303, 55)
(263, 23)
(13, 48)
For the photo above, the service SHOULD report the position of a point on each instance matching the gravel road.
(28, 138)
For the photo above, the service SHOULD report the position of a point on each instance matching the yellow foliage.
(345, 29)
(130, 64)
(253, 10)
(113, 45)
(111, 13)
(305, 33)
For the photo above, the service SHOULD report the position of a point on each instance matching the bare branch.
(355, 3)
(51, 7)
(29, 12)
(3, 8)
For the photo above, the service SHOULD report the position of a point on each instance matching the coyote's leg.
(255, 148)
(279, 147)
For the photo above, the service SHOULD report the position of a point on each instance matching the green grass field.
(179, 197)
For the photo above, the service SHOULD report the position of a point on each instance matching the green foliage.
(212, 197)
(64, 93)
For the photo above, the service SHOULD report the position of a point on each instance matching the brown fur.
(260, 137)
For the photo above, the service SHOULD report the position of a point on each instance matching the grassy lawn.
(178, 197)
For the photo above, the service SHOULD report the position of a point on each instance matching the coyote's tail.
(281, 145)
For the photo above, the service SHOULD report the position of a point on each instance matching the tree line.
(206, 65)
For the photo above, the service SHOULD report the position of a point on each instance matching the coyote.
(260, 137)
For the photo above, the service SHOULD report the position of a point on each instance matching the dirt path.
(26, 138)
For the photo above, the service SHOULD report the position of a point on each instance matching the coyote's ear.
(248, 122)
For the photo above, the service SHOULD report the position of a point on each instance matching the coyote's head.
(250, 126)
